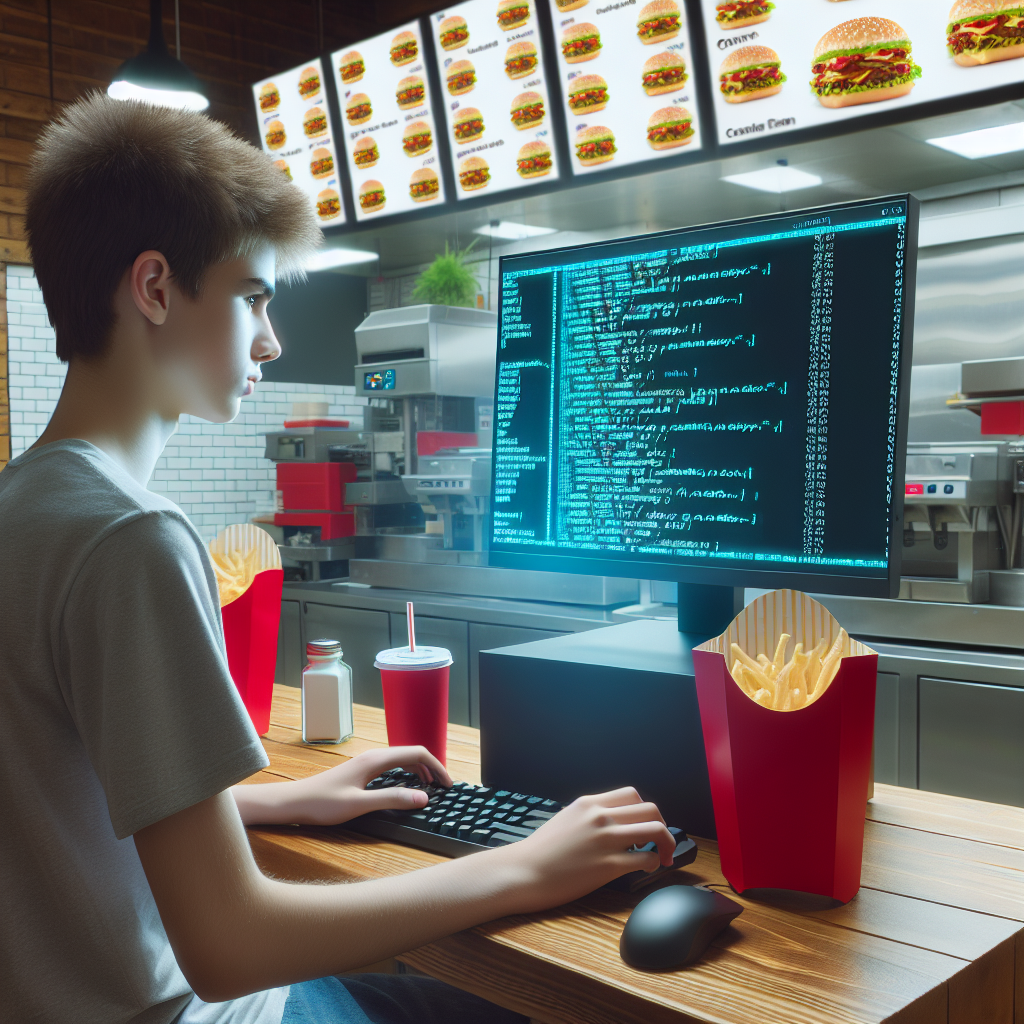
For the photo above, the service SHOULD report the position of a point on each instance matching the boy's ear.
(150, 283)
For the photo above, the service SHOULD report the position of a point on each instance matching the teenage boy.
(129, 890)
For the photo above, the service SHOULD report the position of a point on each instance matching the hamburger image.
(737, 15)
(371, 196)
(985, 31)
(669, 127)
(461, 77)
(365, 152)
(658, 21)
(520, 59)
(321, 163)
(595, 145)
(404, 49)
(424, 185)
(352, 67)
(275, 136)
(528, 110)
(309, 83)
(411, 92)
(270, 98)
(570, 5)
(580, 42)
(513, 14)
(473, 173)
(358, 110)
(587, 94)
(863, 61)
(453, 32)
(417, 139)
(328, 204)
(750, 73)
(664, 72)
(534, 160)
(315, 122)
(282, 166)
(468, 125)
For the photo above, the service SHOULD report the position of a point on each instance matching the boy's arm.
(235, 931)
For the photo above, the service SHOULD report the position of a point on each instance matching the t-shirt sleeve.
(143, 670)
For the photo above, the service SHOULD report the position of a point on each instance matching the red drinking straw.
(412, 625)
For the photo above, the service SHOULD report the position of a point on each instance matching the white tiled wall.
(215, 472)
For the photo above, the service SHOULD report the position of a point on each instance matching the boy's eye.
(252, 300)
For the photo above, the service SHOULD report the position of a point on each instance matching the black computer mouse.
(673, 926)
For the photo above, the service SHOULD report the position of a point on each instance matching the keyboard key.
(533, 799)
(506, 807)
(543, 815)
(501, 838)
(516, 830)
(502, 794)
(522, 810)
(480, 835)
(520, 797)
(550, 803)
(514, 819)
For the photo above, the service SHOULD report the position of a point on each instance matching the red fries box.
(789, 746)
(250, 580)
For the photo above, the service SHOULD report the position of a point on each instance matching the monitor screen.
(725, 404)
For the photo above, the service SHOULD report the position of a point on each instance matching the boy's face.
(220, 339)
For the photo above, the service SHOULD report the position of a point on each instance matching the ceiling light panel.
(506, 231)
(985, 142)
(775, 179)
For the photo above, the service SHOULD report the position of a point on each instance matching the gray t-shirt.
(116, 710)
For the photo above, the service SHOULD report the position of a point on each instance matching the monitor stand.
(705, 611)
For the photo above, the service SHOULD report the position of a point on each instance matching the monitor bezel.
(824, 583)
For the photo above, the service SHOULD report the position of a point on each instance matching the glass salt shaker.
(326, 694)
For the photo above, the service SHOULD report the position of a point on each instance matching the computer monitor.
(725, 404)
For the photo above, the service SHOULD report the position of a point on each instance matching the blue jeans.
(389, 999)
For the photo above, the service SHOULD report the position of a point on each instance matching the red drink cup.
(416, 697)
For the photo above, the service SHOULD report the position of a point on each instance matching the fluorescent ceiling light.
(123, 90)
(325, 259)
(775, 179)
(509, 232)
(976, 145)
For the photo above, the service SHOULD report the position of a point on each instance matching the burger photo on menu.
(528, 110)
(473, 173)
(658, 21)
(513, 14)
(468, 125)
(460, 77)
(275, 135)
(664, 72)
(669, 127)
(580, 42)
(595, 145)
(282, 166)
(453, 32)
(411, 92)
(534, 160)
(520, 59)
(371, 196)
(404, 49)
(270, 98)
(328, 204)
(587, 94)
(417, 139)
(358, 110)
(570, 5)
(352, 67)
(365, 152)
(985, 31)
(863, 61)
(315, 122)
(424, 185)
(737, 15)
(309, 83)
(750, 73)
(321, 163)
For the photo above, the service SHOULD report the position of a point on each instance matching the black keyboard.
(468, 818)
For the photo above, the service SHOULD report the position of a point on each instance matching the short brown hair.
(113, 178)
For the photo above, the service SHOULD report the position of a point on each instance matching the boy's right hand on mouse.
(586, 845)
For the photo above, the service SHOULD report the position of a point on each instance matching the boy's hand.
(338, 794)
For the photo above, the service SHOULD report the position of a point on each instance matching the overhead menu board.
(497, 105)
(627, 76)
(389, 125)
(295, 127)
(794, 64)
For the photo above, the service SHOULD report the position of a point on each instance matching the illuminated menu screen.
(295, 127)
(389, 127)
(497, 107)
(627, 77)
(793, 64)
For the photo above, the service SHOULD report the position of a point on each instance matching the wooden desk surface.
(936, 933)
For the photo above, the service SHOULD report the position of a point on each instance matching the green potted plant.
(447, 281)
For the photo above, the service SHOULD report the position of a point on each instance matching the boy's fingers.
(617, 797)
(648, 832)
(395, 798)
(631, 814)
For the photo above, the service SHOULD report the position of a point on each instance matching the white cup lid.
(413, 661)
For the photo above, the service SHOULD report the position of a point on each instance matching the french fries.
(238, 554)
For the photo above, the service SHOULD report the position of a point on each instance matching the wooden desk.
(935, 936)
